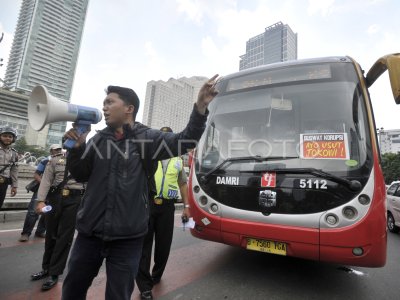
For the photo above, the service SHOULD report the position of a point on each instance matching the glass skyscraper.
(278, 43)
(45, 50)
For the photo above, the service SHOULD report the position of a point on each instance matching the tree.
(22, 147)
(391, 167)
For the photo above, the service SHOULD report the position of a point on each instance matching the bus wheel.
(390, 224)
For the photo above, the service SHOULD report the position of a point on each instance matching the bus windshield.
(310, 116)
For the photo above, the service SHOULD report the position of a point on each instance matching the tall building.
(170, 103)
(15, 115)
(45, 51)
(278, 43)
(389, 140)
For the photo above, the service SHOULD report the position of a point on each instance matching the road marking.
(9, 230)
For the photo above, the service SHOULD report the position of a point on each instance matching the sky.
(131, 42)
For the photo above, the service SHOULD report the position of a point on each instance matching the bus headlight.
(364, 199)
(203, 200)
(214, 208)
(331, 219)
(349, 212)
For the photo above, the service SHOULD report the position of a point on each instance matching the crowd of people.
(118, 198)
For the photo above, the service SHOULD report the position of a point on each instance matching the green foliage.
(391, 167)
(21, 146)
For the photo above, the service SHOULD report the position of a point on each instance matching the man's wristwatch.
(186, 206)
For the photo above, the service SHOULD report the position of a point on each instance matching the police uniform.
(8, 176)
(168, 177)
(31, 215)
(60, 220)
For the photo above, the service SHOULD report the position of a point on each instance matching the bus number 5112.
(316, 184)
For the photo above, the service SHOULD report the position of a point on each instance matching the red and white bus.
(289, 163)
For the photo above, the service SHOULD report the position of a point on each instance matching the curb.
(12, 215)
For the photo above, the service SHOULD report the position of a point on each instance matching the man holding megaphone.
(116, 164)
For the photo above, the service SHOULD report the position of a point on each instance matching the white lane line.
(9, 230)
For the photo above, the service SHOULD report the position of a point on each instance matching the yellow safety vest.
(167, 180)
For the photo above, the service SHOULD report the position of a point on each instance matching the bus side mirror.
(390, 62)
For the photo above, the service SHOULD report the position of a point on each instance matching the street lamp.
(380, 135)
(1, 60)
(1, 38)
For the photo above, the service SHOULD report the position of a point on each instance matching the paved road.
(204, 270)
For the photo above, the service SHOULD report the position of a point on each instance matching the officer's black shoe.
(40, 275)
(50, 283)
(147, 295)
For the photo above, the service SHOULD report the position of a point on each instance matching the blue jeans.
(31, 218)
(87, 255)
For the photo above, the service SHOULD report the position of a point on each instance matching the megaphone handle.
(80, 128)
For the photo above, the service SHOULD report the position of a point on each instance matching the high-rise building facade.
(45, 50)
(278, 43)
(389, 140)
(170, 103)
(15, 115)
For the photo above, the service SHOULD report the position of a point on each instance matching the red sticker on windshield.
(268, 179)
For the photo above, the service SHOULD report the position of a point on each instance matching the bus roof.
(297, 62)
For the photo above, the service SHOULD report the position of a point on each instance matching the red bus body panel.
(334, 245)
(370, 233)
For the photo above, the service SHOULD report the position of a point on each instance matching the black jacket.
(115, 204)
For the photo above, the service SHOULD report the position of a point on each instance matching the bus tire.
(390, 224)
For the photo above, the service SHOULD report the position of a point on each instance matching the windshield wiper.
(232, 160)
(354, 185)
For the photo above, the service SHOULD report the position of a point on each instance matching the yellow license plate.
(266, 246)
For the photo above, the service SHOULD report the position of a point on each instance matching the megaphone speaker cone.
(44, 108)
(37, 108)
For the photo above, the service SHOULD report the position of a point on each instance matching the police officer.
(8, 163)
(31, 215)
(170, 176)
(63, 194)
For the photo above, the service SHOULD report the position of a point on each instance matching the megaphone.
(44, 108)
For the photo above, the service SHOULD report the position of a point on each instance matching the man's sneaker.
(24, 238)
(147, 295)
